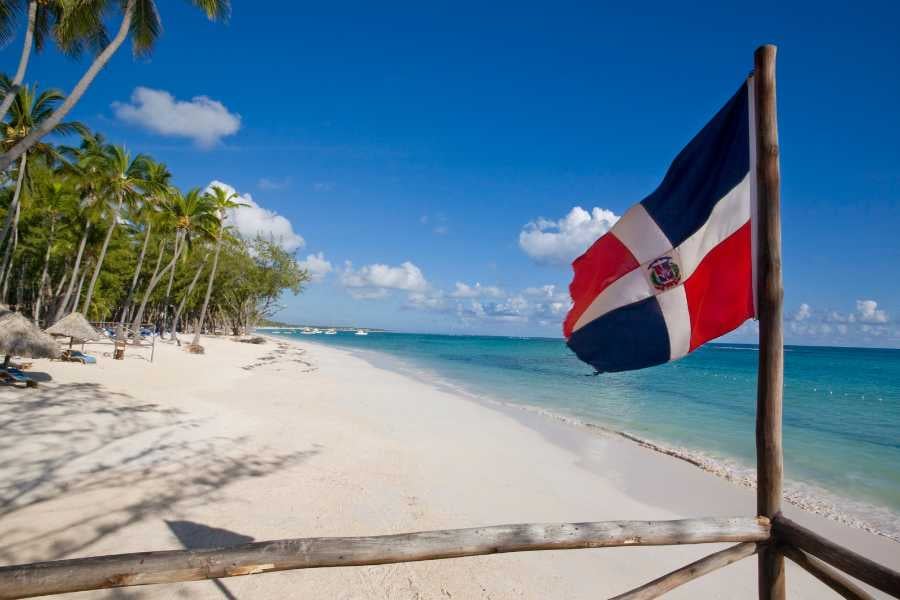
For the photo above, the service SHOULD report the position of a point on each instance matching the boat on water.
(310, 331)
(361, 332)
(331, 332)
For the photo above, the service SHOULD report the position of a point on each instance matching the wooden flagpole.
(769, 459)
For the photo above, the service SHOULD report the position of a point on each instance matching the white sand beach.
(257, 442)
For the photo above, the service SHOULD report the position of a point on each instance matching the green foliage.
(74, 190)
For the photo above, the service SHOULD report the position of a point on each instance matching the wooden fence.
(769, 534)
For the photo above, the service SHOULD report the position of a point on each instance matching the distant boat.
(361, 332)
(310, 331)
(330, 331)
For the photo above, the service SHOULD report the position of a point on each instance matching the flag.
(677, 270)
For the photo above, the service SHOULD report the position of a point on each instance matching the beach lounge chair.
(13, 376)
(78, 356)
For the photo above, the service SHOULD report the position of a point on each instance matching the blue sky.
(425, 139)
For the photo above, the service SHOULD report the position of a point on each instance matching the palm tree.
(78, 21)
(191, 213)
(43, 21)
(221, 201)
(156, 186)
(29, 111)
(55, 197)
(184, 298)
(85, 176)
(122, 180)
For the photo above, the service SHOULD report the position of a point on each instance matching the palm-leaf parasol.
(20, 336)
(74, 326)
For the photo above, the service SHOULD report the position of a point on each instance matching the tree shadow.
(195, 536)
(79, 462)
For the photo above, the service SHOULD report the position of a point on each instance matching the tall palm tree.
(155, 187)
(84, 174)
(221, 201)
(42, 18)
(192, 213)
(84, 20)
(122, 178)
(29, 111)
(55, 197)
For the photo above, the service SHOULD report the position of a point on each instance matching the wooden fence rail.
(853, 564)
(687, 573)
(144, 568)
(830, 577)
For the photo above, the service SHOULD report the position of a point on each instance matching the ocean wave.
(860, 515)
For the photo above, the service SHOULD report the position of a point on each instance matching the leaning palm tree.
(155, 187)
(80, 20)
(54, 197)
(221, 201)
(192, 213)
(121, 183)
(42, 22)
(30, 110)
(85, 177)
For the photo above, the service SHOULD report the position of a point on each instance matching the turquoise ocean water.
(841, 407)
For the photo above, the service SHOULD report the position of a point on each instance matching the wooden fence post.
(769, 459)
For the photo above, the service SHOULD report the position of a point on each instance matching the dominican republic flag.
(677, 270)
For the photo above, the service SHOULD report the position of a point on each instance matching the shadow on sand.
(64, 449)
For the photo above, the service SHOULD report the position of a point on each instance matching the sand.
(296, 439)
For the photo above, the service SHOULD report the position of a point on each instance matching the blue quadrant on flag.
(677, 269)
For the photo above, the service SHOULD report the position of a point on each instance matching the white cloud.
(374, 281)
(560, 242)
(316, 266)
(544, 306)
(265, 183)
(202, 119)
(803, 313)
(463, 290)
(252, 220)
(867, 311)
(433, 301)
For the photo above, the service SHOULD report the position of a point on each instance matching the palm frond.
(9, 15)
(215, 10)
(145, 27)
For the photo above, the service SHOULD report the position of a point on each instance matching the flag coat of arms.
(677, 270)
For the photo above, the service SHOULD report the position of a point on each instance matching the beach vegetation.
(96, 228)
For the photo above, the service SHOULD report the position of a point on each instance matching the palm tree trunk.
(8, 257)
(14, 205)
(165, 308)
(137, 272)
(184, 299)
(99, 266)
(154, 281)
(23, 61)
(209, 288)
(61, 308)
(75, 95)
(40, 293)
(74, 305)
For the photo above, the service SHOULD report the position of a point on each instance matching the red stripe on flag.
(603, 263)
(720, 291)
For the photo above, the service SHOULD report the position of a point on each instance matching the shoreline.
(806, 496)
(290, 439)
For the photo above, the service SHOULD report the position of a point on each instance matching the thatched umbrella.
(20, 336)
(75, 327)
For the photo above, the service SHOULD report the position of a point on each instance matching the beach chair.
(85, 359)
(12, 375)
